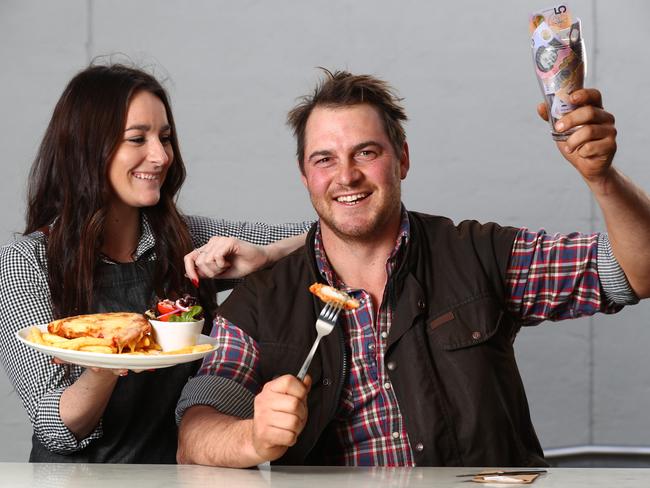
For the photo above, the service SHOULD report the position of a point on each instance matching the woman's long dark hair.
(68, 186)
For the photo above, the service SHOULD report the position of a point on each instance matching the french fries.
(52, 338)
(145, 346)
(102, 349)
(192, 349)
(79, 342)
(36, 336)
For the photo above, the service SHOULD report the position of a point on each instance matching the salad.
(185, 309)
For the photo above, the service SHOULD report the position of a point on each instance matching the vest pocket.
(466, 324)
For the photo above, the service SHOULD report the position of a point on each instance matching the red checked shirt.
(549, 278)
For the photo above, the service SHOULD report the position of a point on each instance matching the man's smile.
(352, 199)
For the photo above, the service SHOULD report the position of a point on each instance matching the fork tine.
(333, 313)
(330, 311)
(326, 309)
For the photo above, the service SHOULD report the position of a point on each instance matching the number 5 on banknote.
(560, 60)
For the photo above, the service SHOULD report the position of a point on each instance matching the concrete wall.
(478, 149)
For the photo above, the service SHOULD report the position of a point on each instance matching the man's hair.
(343, 89)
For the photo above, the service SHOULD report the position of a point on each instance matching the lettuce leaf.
(187, 316)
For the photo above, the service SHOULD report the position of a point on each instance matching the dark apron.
(138, 422)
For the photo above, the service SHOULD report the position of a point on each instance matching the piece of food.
(78, 342)
(165, 307)
(53, 338)
(192, 349)
(102, 349)
(36, 336)
(121, 330)
(330, 294)
(185, 309)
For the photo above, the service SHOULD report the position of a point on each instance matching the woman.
(103, 234)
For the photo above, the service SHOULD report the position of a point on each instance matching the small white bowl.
(176, 335)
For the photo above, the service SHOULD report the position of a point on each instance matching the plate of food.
(117, 340)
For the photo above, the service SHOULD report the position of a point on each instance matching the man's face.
(352, 172)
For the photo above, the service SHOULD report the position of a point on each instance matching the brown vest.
(451, 347)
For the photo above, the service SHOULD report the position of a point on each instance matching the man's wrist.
(603, 183)
(250, 453)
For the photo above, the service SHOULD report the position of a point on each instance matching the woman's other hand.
(225, 257)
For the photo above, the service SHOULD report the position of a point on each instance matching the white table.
(22, 475)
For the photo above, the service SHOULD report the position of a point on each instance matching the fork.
(324, 325)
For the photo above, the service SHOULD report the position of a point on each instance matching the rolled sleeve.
(612, 277)
(228, 379)
(555, 277)
(52, 432)
(222, 394)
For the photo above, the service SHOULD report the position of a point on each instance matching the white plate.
(114, 361)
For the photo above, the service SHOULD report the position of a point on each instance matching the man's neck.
(361, 263)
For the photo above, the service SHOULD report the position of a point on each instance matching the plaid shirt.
(548, 277)
(369, 424)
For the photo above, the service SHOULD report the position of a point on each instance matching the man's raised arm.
(625, 206)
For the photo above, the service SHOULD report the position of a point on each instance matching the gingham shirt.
(25, 300)
(549, 277)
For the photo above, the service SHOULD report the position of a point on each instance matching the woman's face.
(137, 171)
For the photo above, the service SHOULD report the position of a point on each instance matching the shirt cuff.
(223, 394)
(53, 433)
(612, 277)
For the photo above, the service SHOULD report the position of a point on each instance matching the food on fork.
(329, 294)
(116, 330)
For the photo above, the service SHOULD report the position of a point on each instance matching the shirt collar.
(396, 255)
(147, 240)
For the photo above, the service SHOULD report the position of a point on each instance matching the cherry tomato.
(165, 306)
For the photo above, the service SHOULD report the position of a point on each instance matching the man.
(424, 371)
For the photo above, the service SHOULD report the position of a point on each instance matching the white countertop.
(22, 475)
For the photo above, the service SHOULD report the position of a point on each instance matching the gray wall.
(478, 149)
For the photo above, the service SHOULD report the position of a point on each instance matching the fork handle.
(305, 366)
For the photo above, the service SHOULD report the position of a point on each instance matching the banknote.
(559, 59)
(558, 18)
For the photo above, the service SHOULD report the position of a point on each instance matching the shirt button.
(387, 385)
(395, 435)
(421, 304)
(384, 335)
(391, 365)
(476, 335)
(326, 382)
(419, 447)
(371, 347)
